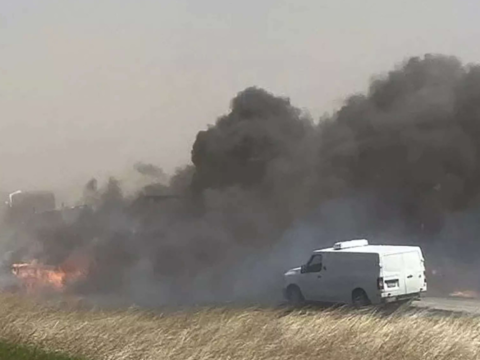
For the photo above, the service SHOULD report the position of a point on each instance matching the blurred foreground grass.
(228, 333)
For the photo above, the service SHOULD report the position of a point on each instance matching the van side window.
(315, 263)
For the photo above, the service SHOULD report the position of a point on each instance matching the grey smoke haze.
(150, 170)
(396, 164)
(88, 88)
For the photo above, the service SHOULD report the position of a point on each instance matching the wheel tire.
(295, 296)
(360, 298)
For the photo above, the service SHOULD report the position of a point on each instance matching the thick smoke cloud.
(398, 164)
(412, 138)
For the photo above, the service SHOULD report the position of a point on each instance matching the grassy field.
(238, 333)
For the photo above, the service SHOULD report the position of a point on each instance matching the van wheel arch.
(360, 298)
(294, 294)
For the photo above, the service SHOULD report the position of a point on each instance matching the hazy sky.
(89, 87)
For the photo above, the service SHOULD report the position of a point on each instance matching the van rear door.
(393, 272)
(414, 271)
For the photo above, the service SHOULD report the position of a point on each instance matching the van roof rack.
(350, 244)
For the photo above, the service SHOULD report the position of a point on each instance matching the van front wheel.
(360, 298)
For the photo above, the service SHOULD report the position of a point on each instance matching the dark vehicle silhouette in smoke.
(22, 206)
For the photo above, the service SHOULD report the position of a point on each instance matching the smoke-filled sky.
(89, 87)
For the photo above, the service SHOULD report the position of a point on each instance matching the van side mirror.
(303, 269)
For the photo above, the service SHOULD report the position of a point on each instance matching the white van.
(354, 272)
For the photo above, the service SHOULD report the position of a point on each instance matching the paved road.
(450, 304)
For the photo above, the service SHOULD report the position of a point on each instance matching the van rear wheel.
(360, 298)
(295, 296)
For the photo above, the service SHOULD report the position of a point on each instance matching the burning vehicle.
(35, 277)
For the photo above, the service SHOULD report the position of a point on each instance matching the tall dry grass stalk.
(239, 333)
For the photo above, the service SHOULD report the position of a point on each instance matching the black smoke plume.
(267, 184)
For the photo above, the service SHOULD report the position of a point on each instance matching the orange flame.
(36, 277)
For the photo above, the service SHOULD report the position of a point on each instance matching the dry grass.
(239, 333)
